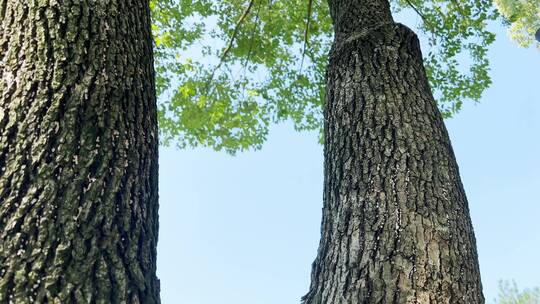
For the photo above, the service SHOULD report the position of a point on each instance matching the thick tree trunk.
(396, 225)
(78, 153)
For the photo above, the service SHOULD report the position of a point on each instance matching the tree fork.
(78, 153)
(396, 226)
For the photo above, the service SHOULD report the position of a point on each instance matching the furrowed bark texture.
(396, 225)
(78, 153)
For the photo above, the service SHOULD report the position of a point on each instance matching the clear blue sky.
(245, 229)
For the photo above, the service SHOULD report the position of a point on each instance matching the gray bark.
(78, 153)
(396, 225)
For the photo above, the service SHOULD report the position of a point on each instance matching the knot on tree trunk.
(389, 34)
(350, 16)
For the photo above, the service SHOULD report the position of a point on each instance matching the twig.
(306, 33)
(416, 10)
(231, 41)
(252, 39)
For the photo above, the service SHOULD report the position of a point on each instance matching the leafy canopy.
(227, 70)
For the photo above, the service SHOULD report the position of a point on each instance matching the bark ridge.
(78, 153)
(396, 225)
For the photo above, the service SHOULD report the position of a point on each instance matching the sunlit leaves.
(229, 69)
(227, 97)
(523, 17)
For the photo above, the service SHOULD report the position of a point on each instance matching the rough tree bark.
(78, 153)
(396, 225)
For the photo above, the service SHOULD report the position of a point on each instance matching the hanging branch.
(426, 21)
(231, 42)
(417, 11)
(306, 33)
(252, 39)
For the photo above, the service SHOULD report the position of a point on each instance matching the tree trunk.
(78, 153)
(396, 225)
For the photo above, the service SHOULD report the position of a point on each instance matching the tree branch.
(252, 39)
(231, 41)
(417, 11)
(306, 33)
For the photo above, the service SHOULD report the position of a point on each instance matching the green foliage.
(510, 294)
(523, 18)
(252, 67)
(457, 62)
(228, 97)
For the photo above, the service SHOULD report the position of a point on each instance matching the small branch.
(231, 41)
(424, 19)
(252, 39)
(417, 11)
(306, 33)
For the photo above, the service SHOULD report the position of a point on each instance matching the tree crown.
(261, 62)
